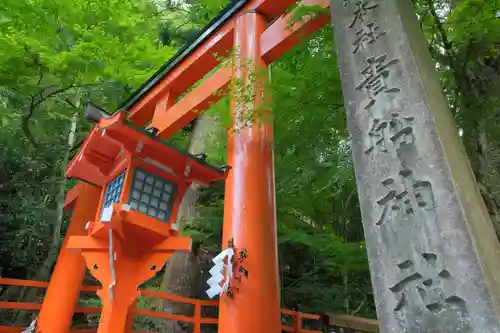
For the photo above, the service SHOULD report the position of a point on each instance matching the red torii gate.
(260, 32)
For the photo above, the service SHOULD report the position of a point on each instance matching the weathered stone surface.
(434, 257)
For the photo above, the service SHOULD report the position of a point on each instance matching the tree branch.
(447, 45)
(71, 103)
(41, 77)
(41, 99)
(363, 302)
(180, 26)
(25, 123)
(461, 79)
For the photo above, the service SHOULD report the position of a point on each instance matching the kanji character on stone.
(424, 280)
(401, 129)
(424, 195)
(376, 136)
(375, 75)
(394, 201)
(404, 195)
(368, 34)
(398, 131)
(362, 9)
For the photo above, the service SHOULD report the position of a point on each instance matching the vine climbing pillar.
(62, 295)
(253, 305)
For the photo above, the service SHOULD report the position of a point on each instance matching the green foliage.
(314, 174)
(204, 11)
(54, 56)
(299, 12)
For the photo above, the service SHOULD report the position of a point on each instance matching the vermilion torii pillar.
(249, 205)
(62, 295)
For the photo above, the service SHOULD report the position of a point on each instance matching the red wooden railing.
(197, 320)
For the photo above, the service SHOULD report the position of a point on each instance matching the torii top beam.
(152, 100)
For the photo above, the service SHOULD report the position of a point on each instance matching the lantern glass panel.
(113, 191)
(152, 195)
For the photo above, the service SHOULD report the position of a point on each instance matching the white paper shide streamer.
(217, 273)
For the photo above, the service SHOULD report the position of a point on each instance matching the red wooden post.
(249, 208)
(298, 322)
(62, 295)
(197, 317)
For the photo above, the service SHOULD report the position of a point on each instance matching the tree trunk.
(478, 149)
(44, 271)
(482, 163)
(183, 271)
(475, 135)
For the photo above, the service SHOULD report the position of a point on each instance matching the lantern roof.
(113, 136)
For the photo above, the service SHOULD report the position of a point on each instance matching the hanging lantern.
(138, 173)
(143, 181)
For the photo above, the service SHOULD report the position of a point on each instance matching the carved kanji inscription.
(367, 35)
(394, 132)
(403, 195)
(363, 7)
(424, 279)
(377, 136)
(375, 76)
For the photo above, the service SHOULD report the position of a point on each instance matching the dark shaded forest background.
(56, 55)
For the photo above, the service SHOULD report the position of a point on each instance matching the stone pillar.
(434, 256)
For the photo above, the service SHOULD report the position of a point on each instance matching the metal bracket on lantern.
(112, 258)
